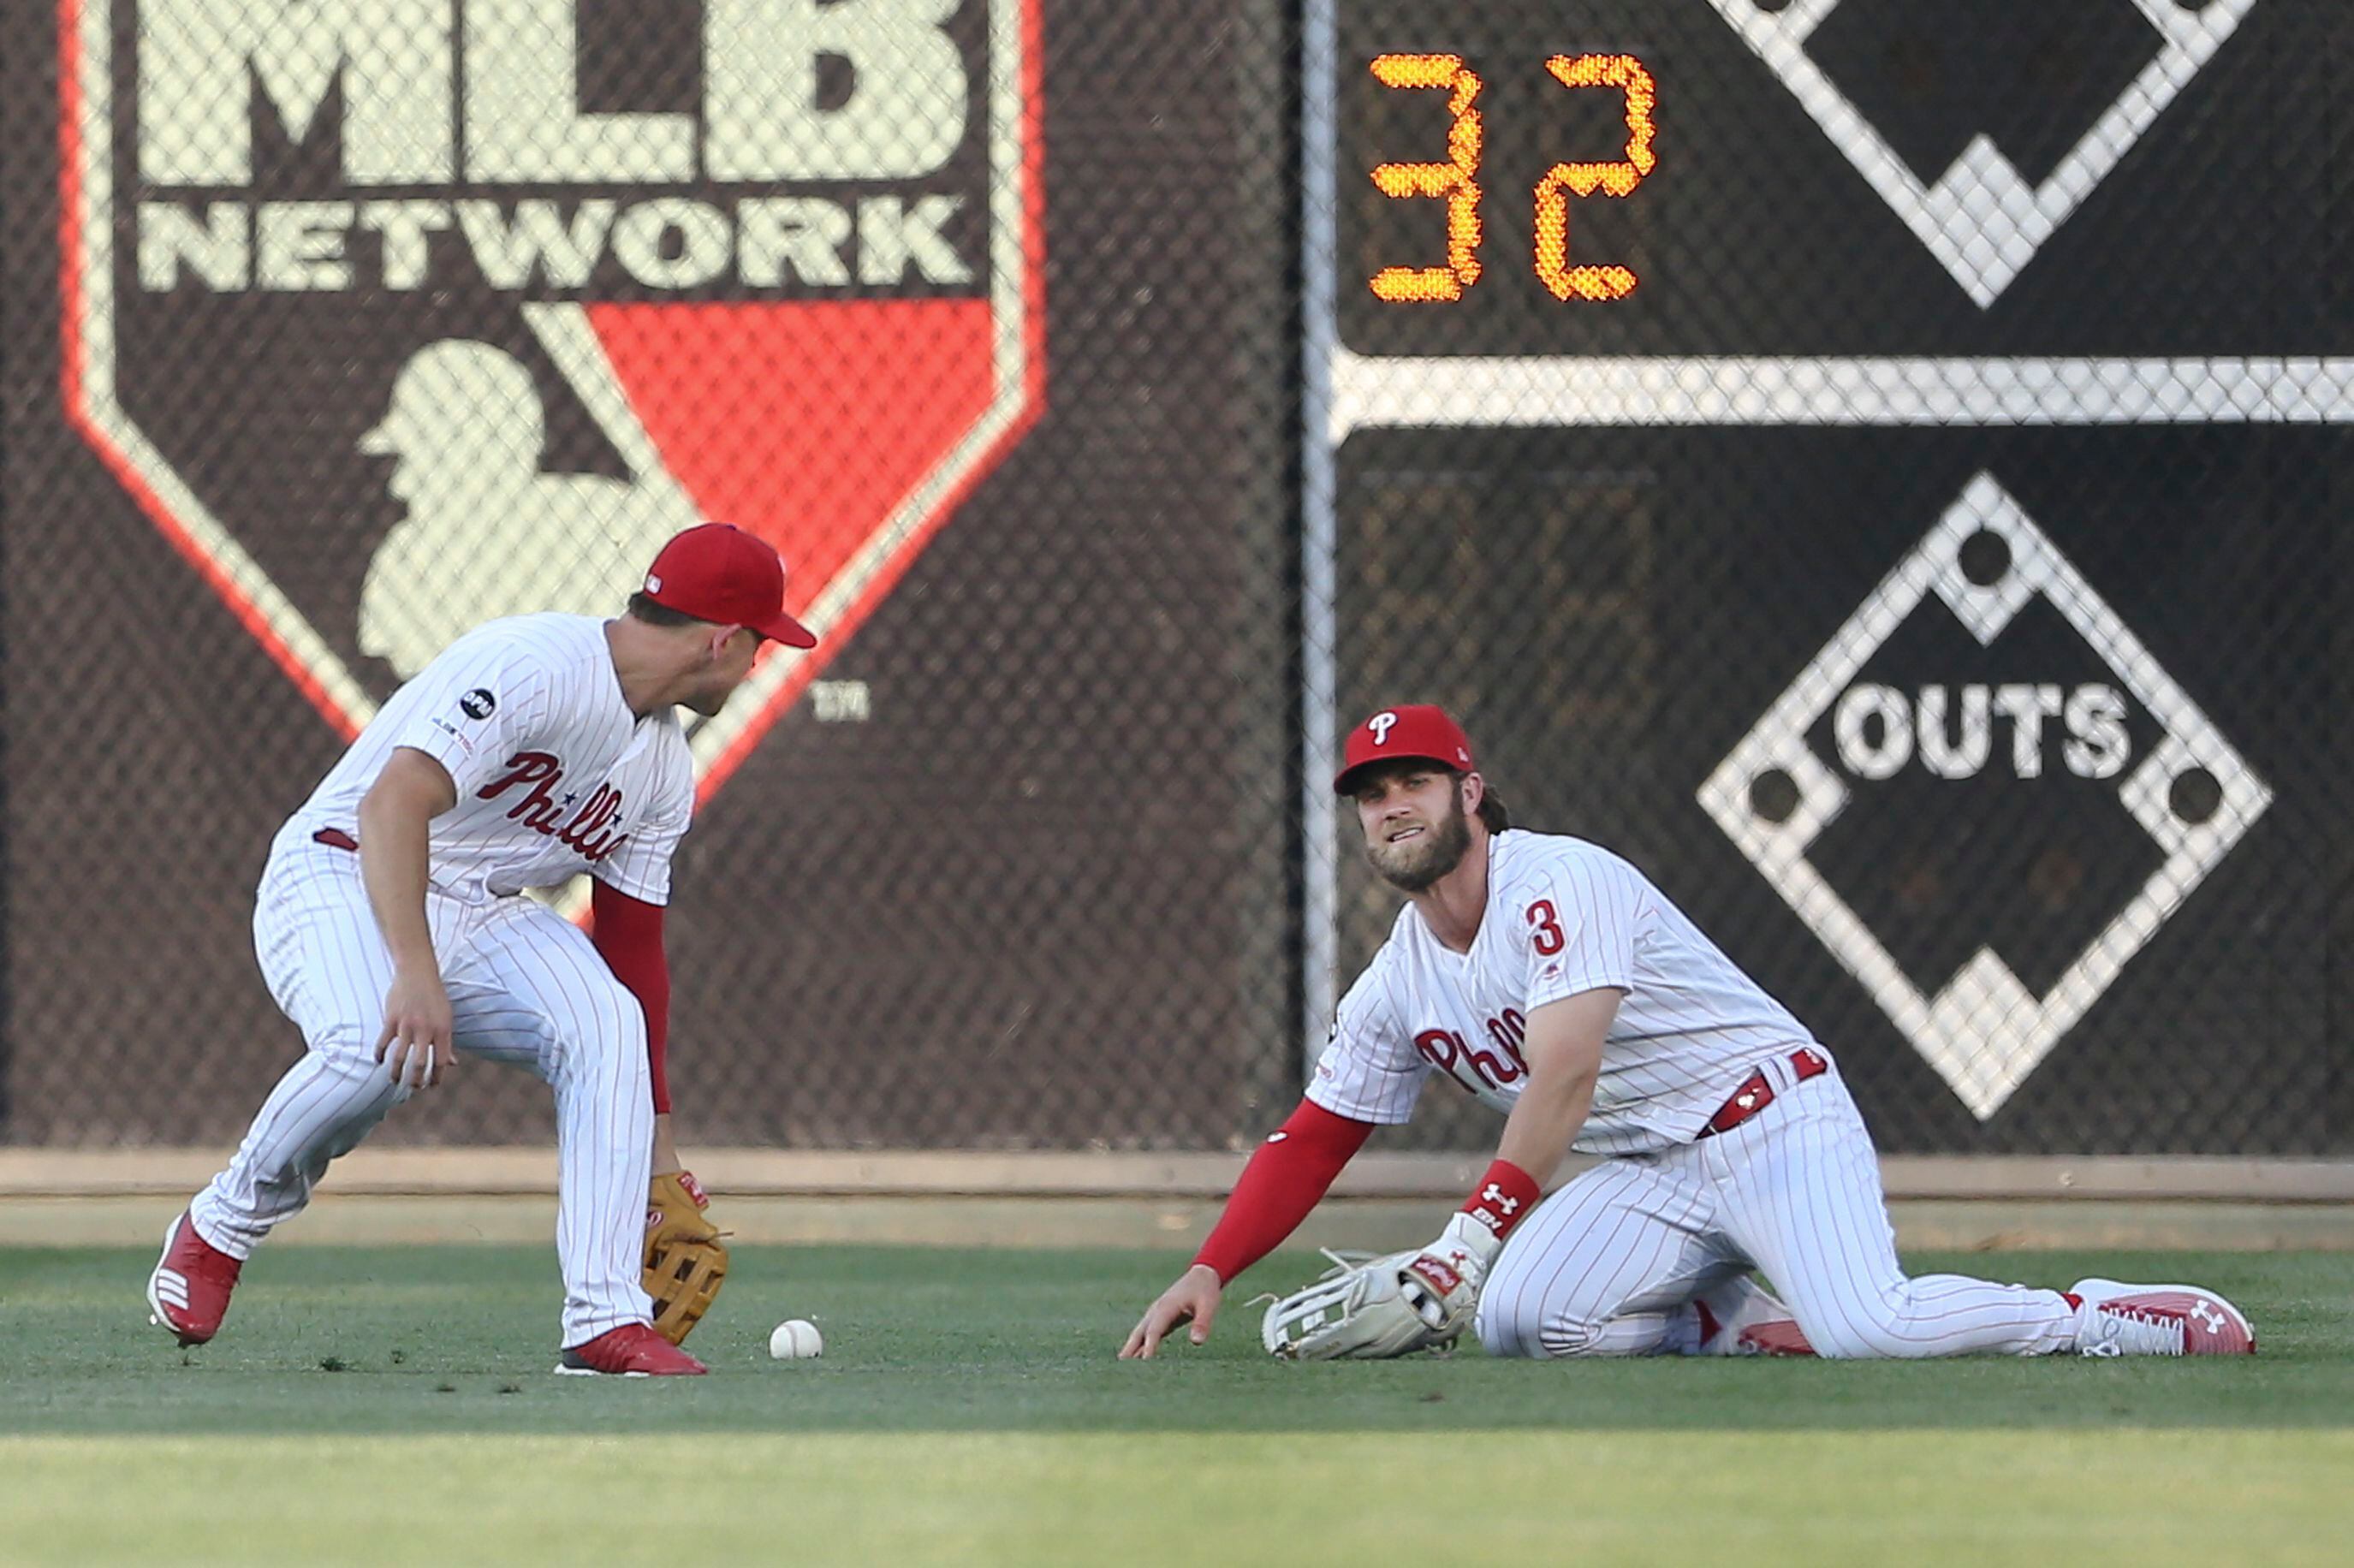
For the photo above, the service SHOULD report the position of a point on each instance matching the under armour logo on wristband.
(1501, 1194)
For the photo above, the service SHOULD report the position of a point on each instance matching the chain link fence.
(1871, 464)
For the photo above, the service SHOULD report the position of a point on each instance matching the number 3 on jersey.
(1544, 924)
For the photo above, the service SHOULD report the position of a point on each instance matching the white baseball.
(796, 1340)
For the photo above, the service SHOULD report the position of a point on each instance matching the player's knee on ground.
(1518, 1318)
(1515, 1311)
(1522, 1334)
(1511, 1315)
(1540, 1334)
(1507, 1331)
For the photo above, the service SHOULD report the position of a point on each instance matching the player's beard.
(1415, 865)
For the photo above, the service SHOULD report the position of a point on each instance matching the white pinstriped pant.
(526, 988)
(1608, 1265)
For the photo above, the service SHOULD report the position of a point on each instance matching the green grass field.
(397, 1406)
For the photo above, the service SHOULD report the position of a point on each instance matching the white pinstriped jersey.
(555, 774)
(1564, 916)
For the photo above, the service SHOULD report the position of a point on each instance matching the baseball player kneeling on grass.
(393, 929)
(1549, 978)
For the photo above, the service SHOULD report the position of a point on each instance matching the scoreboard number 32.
(1456, 180)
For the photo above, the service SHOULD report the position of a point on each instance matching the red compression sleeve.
(1283, 1180)
(629, 933)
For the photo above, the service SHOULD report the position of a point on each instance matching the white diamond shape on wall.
(1984, 1032)
(1981, 218)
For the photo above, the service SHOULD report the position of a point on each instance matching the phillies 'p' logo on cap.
(1417, 730)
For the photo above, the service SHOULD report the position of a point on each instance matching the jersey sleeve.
(483, 698)
(1577, 920)
(640, 867)
(1369, 1070)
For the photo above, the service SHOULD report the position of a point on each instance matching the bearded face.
(1416, 829)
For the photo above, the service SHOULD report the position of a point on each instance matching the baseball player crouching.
(393, 929)
(1549, 978)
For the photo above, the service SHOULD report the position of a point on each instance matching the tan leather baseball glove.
(685, 1259)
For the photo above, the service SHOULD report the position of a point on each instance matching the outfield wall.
(1881, 468)
(1163, 1203)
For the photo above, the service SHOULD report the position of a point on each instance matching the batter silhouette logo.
(398, 315)
(2048, 789)
(1986, 208)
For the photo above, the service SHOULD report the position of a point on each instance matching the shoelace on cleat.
(2137, 1329)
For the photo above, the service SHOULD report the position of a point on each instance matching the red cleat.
(189, 1293)
(632, 1349)
(1776, 1337)
(2116, 1319)
(1742, 1317)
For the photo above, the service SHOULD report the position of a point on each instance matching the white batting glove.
(1442, 1283)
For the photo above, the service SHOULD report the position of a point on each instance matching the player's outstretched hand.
(1194, 1296)
(417, 1023)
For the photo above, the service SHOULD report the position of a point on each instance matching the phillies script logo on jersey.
(542, 811)
(1471, 1066)
(399, 315)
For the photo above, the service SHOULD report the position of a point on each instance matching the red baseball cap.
(720, 574)
(1418, 730)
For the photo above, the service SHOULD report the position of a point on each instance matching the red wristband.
(1503, 1198)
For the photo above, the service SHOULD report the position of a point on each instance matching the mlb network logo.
(399, 315)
